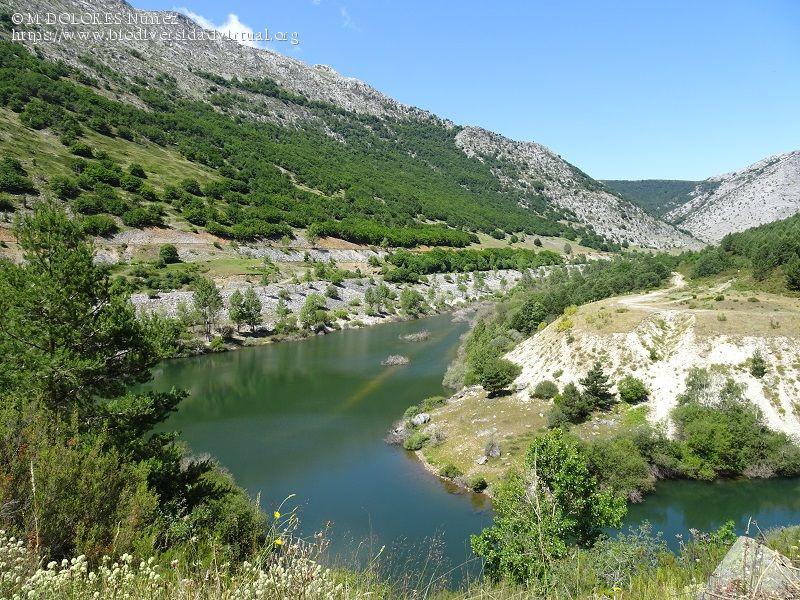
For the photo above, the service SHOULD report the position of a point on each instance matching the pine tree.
(67, 334)
(573, 405)
(597, 388)
(758, 366)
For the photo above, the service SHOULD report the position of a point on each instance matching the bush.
(497, 374)
(129, 183)
(710, 262)
(6, 205)
(136, 170)
(416, 441)
(477, 483)
(191, 186)
(432, 402)
(632, 390)
(570, 406)
(99, 225)
(217, 344)
(332, 292)
(619, 464)
(81, 149)
(168, 254)
(142, 217)
(758, 366)
(545, 390)
(450, 471)
(411, 411)
(88, 204)
(14, 179)
(65, 188)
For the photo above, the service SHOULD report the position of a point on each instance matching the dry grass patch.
(470, 423)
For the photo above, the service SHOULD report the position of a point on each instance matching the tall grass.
(636, 567)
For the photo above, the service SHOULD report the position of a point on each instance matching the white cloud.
(232, 27)
(347, 21)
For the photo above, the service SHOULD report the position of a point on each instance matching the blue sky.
(624, 89)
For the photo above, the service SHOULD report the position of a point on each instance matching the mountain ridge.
(300, 95)
(763, 192)
(766, 191)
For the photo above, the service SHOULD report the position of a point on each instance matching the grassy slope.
(48, 156)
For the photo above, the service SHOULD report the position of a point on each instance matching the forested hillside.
(289, 146)
(656, 196)
(770, 254)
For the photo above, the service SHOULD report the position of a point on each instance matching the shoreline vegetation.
(210, 318)
(86, 479)
(97, 500)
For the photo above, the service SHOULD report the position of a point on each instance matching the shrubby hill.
(286, 145)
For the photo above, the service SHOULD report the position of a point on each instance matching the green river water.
(308, 418)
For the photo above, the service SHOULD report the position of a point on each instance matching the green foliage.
(137, 170)
(14, 178)
(65, 188)
(545, 389)
(656, 196)
(207, 302)
(99, 225)
(81, 149)
(793, 274)
(570, 406)
(384, 184)
(765, 248)
(236, 308)
(412, 303)
(632, 390)
(450, 471)
(540, 514)
(332, 292)
(726, 435)
(71, 346)
(597, 388)
(313, 314)
(66, 335)
(432, 402)
(710, 262)
(411, 411)
(409, 266)
(416, 441)
(497, 374)
(251, 306)
(477, 483)
(619, 464)
(168, 254)
(758, 366)
(142, 216)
